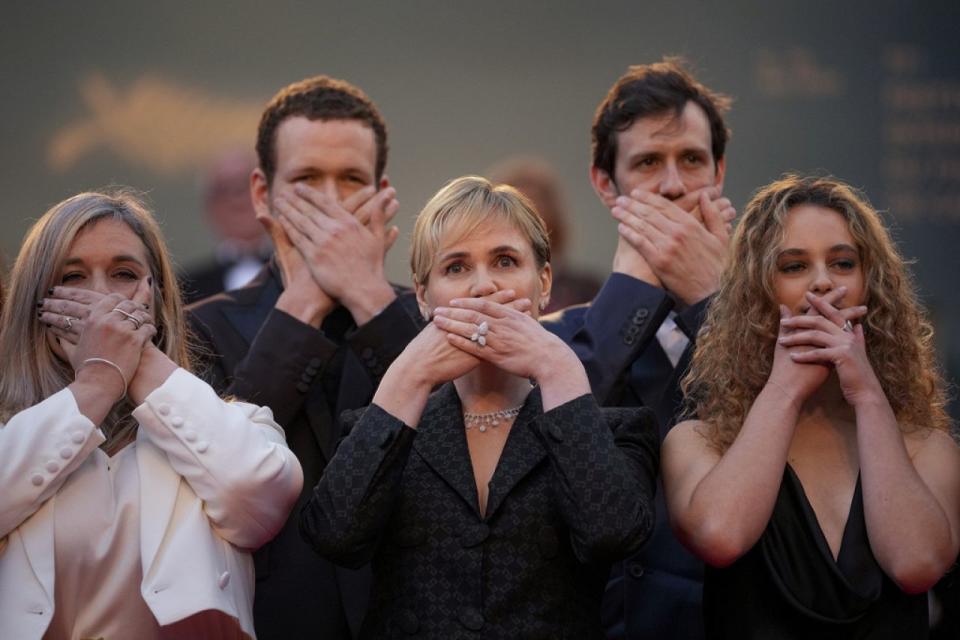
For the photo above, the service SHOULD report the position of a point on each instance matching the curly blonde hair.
(734, 352)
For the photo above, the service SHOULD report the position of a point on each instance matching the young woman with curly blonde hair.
(819, 481)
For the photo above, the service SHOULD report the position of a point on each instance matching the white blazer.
(216, 480)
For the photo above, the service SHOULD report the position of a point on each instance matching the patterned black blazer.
(573, 491)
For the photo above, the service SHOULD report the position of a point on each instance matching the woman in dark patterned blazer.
(492, 507)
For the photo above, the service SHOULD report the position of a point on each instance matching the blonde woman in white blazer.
(132, 494)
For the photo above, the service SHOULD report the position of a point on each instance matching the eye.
(506, 261)
(454, 268)
(693, 159)
(71, 276)
(647, 162)
(126, 274)
(845, 264)
(792, 267)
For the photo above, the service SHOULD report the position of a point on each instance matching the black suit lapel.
(521, 453)
(254, 303)
(442, 444)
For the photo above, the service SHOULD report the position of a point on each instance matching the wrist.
(309, 308)
(792, 397)
(628, 261)
(366, 302)
(101, 374)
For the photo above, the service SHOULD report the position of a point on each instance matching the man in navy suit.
(313, 333)
(658, 143)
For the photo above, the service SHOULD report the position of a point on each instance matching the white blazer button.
(202, 446)
(224, 579)
(66, 453)
(52, 466)
(36, 479)
(190, 436)
(77, 437)
(176, 421)
(164, 409)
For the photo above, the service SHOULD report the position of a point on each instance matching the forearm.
(909, 531)
(232, 454)
(561, 377)
(39, 448)
(610, 509)
(402, 394)
(353, 502)
(613, 331)
(731, 505)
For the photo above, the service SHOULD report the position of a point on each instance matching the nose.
(671, 186)
(821, 282)
(482, 284)
(328, 186)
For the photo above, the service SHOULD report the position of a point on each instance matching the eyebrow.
(463, 254)
(834, 249)
(120, 258)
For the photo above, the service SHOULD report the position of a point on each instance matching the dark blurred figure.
(243, 246)
(538, 180)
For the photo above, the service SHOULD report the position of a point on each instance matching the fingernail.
(39, 303)
(50, 291)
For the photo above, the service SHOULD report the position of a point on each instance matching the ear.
(260, 194)
(604, 186)
(546, 284)
(426, 311)
(721, 173)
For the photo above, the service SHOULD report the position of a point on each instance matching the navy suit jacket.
(251, 350)
(656, 593)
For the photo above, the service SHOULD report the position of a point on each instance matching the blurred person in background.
(243, 245)
(537, 179)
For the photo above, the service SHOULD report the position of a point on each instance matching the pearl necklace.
(493, 419)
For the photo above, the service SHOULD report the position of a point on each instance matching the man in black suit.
(658, 165)
(316, 329)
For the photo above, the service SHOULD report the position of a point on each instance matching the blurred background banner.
(148, 94)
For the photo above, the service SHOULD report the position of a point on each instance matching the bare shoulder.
(927, 444)
(688, 443)
(689, 433)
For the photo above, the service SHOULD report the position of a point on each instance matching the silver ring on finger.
(68, 323)
(848, 326)
(137, 323)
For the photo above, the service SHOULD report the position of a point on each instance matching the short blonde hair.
(29, 370)
(464, 204)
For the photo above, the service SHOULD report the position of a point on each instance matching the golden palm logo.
(155, 124)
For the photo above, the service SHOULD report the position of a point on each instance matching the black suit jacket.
(658, 592)
(307, 377)
(572, 492)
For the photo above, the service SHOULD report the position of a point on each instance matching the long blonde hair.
(29, 370)
(734, 352)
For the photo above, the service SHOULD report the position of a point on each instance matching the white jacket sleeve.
(233, 455)
(39, 448)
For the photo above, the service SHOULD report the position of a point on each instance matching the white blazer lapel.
(37, 536)
(158, 494)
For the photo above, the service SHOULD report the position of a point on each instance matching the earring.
(425, 314)
(543, 305)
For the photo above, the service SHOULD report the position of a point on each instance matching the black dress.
(789, 586)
